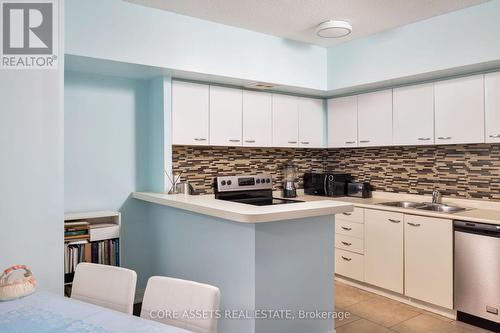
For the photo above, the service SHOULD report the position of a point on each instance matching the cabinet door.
(190, 113)
(226, 116)
(343, 122)
(413, 115)
(492, 106)
(311, 120)
(257, 119)
(459, 116)
(285, 121)
(375, 119)
(384, 249)
(429, 260)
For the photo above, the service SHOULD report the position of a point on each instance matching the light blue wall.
(466, 37)
(31, 170)
(121, 31)
(31, 177)
(113, 141)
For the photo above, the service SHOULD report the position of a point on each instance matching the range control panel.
(243, 183)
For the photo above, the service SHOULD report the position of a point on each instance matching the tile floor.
(370, 313)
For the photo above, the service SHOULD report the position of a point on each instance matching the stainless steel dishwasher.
(477, 273)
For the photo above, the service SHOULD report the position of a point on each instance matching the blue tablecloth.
(46, 312)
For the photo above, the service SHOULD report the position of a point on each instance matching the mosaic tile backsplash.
(465, 171)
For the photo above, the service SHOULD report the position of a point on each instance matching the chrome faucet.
(436, 197)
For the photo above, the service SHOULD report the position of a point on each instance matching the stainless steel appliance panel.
(477, 270)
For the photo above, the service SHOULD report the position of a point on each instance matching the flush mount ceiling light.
(333, 29)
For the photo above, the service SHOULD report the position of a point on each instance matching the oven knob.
(330, 178)
(263, 180)
(268, 180)
(258, 181)
(223, 182)
(229, 182)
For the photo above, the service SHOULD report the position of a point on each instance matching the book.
(88, 252)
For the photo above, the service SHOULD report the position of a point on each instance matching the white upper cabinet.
(413, 115)
(257, 119)
(226, 116)
(343, 122)
(375, 119)
(459, 113)
(285, 121)
(492, 106)
(190, 113)
(311, 122)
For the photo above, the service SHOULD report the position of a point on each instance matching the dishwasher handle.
(477, 228)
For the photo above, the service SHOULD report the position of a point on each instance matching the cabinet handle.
(414, 224)
(234, 140)
(364, 141)
(348, 214)
(347, 229)
(346, 259)
(304, 142)
(346, 243)
(292, 141)
(444, 137)
(424, 139)
(495, 136)
(394, 221)
(200, 139)
(250, 141)
(350, 142)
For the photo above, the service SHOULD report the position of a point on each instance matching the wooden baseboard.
(452, 314)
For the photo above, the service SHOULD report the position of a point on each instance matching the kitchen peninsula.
(263, 258)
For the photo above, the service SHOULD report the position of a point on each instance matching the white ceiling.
(296, 19)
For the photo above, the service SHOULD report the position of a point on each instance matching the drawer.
(357, 215)
(349, 264)
(349, 243)
(382, 215)
(352, 229)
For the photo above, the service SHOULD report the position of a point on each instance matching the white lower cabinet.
(429, 260)
(349, 264)
(384, 249)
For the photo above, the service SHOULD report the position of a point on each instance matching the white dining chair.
(108, 286)
(167, 300)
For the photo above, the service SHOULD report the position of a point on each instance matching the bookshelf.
(90, 237)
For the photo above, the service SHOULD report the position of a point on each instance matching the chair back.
(181, 303)
(108, 286)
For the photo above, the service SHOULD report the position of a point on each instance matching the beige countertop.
(481, 211)
(208, 205)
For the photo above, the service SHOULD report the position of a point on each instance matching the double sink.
(441, 208)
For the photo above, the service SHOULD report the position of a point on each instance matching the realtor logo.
(28, 34)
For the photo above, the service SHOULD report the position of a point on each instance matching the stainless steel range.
(254, 190)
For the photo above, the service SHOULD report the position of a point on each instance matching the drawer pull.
(364, 141)
(414, 224)
(234, 140)
(347, 229)
(444, 137)
(304, 142)
(394, 221)
(348, 214)
(350, 142)
(495, 136)
(346, 243)
(424, 139)
(346, 259)
(200, 139)
(250, 141)
(293, 142)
